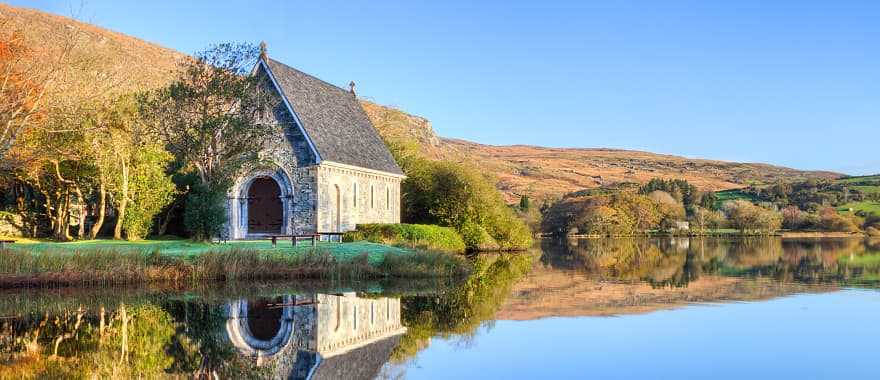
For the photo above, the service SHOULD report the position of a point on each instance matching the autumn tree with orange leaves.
(23, 87)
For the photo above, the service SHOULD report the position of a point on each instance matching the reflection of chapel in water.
(319, 336)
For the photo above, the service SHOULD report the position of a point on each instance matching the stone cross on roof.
(263, 54)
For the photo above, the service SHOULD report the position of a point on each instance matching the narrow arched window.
(354, 320)
(355, 191)
(372, 198)
(338, 313)
(387, 197)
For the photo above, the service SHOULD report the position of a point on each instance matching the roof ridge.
(335, 87)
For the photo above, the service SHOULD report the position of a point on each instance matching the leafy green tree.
(212, 116)
(151, 189)
(709, 201)
(205, 213)
(456, 195)
(524, 203)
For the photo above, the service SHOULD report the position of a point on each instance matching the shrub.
(477, 238)
(830, 220)
(150, 190)
(205, 212)
(456, 195)
(410, 235)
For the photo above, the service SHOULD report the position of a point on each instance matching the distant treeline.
(676, 206)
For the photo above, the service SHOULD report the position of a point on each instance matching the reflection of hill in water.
(551, 293)
(678, 261)
(602, 277)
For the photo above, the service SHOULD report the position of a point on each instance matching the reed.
(109, 267)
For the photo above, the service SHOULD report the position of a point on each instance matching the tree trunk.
(65, 221)
(102, 209)
(81, 228)
(58, 232)
(163, 227)
(123, 202)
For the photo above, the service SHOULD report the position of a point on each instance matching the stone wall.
(287, 158)
(347, 321)
(311, 328)
(309, 191)
(364, 197)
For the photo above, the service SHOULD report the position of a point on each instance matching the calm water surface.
(604, 309)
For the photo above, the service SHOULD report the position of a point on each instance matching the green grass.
(189, 249)
(866, 206)
(867, 178)
(114, 262)
(730, 195)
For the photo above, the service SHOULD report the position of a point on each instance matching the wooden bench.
(3, 243)
(330, 236)
(294, 238)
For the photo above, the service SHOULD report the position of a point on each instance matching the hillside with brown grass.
(553, 293)
(541, 172)
(134, 64)
(119, 62)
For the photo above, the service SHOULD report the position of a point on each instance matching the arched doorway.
(261, 327)
(265, 212)
(264, 320)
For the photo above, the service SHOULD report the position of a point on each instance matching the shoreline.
(782, 234)
(27, 268)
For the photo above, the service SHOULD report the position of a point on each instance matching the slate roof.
(334, 120)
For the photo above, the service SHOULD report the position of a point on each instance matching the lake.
(660, 308)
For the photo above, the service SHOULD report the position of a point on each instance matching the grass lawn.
(188, 249)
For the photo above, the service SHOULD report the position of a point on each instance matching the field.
(730, 195)
(865, 184)
(866, 206)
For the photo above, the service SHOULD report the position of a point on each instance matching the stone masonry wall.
(364, 197)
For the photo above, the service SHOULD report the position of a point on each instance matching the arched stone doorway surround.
(247, 342)
(239, 194)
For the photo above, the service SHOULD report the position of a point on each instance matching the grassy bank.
(113, 263)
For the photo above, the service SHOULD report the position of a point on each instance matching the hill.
(541, 172)
(535, 171)
(129, 63)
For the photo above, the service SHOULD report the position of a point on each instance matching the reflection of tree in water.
(676, 262)
(125, 341)
(461, 311)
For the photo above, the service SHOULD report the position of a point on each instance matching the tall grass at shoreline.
(109, 267)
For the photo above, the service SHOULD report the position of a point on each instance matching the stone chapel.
(326, 170)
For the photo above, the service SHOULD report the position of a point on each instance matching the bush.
(459, 196)
(205, 213)
(150, 190)
(476, 238)
(411, 235)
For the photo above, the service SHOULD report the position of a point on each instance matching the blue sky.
(795, 83)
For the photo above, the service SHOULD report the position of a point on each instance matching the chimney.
(351, 88)
(263, 55)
